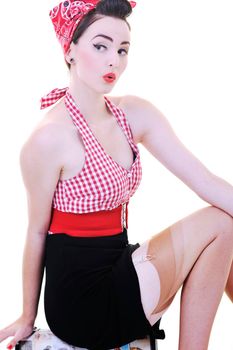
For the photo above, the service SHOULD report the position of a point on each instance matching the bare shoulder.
(140, 113)
(46, 141)
(42, 141)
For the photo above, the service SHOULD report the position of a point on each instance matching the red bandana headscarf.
(66, 17)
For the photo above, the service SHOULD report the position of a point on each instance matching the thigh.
(163, 262)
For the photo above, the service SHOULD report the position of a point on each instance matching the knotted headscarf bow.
(67, 15)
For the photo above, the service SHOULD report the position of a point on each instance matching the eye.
(123, 52)
(100, 47)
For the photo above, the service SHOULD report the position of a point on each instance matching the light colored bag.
(44, 339)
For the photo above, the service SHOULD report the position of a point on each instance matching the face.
(101, 54)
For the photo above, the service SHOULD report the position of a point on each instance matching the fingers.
(20, 334)
(5, 333)
(9, 347)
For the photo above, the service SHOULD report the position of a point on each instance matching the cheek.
(87, 61)
(124, 65)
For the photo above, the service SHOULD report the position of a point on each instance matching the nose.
(113, 60)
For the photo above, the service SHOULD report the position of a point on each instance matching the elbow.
(33, 230)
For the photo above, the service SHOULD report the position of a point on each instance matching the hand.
(19, 329)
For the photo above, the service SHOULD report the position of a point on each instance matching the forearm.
(219, 193)
(33, 269)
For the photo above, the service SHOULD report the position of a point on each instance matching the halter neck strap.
(52, 97)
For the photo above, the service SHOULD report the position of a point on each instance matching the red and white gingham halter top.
(102, 184)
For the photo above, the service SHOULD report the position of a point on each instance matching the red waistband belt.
(100, 223)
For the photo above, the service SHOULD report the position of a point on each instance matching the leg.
(197, 252)
(229, 286)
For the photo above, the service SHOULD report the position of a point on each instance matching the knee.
(223, 221)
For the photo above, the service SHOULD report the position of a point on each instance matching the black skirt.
(92, 296)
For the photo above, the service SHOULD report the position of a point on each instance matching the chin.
(108, 89)
(105, 90)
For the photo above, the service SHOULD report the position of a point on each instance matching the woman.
(102, 292)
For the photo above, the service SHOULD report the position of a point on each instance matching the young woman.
(80, 167)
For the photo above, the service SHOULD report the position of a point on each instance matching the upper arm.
(158, 137)
(40, 171)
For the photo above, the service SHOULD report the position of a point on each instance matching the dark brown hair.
(114, 8)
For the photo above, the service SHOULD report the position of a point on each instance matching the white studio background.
(181, 60)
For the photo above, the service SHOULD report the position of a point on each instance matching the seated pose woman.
(81, 166)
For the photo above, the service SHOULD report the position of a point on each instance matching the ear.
(68, 55)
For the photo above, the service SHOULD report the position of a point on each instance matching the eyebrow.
(110, 39)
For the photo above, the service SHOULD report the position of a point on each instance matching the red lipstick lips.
(109, 77)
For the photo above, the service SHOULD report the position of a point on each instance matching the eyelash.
(97, 46)
(123, 50)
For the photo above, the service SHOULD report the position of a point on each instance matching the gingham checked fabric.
(102, 184)
(52, 97)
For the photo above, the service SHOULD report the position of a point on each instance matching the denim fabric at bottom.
(92, 296)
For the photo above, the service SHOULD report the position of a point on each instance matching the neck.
(91, 104)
